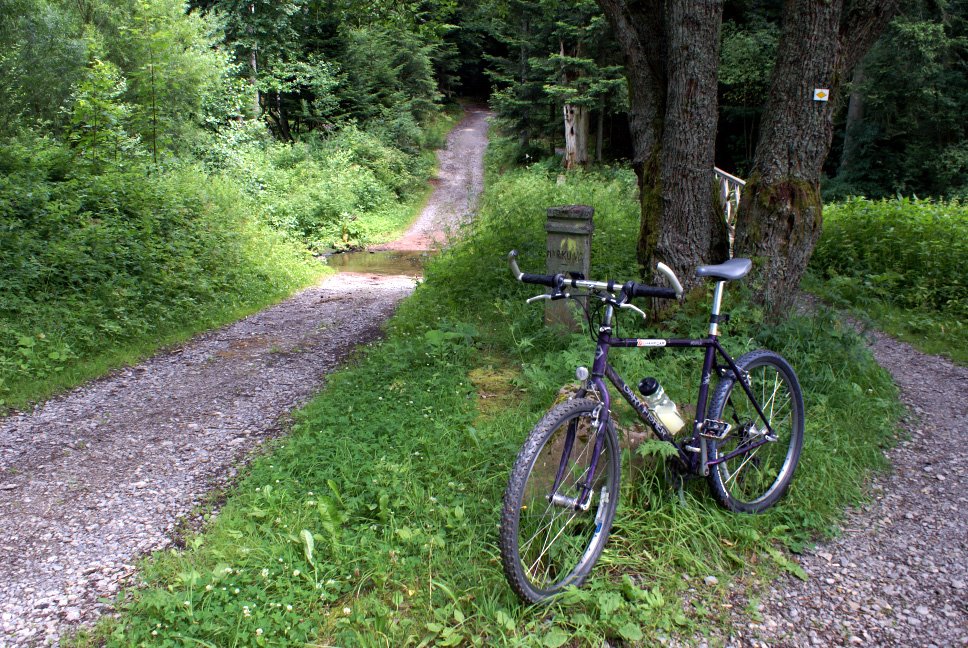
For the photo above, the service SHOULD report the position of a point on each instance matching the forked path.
(898, 575)
(93, 480)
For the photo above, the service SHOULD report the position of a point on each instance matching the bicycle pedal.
(716, 430)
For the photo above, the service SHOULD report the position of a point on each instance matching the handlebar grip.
(641, 290)
(544, 280)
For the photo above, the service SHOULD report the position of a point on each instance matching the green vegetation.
(144, 198)
(96, 268)
(374, 522)
(904, 264)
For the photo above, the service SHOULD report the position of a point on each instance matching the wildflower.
(295, 572)
(347, 611)
(154, 633)
(265, 573)
(208, 588)
(236, 590)
(245, 611)
(288, 608)
(258, 632)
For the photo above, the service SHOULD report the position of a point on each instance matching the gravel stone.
(93, 480)
(901, 562)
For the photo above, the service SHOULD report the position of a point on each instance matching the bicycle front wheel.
(761, 465)
(547, 542)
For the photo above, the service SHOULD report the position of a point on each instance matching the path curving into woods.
(898, 573)
(95, 479)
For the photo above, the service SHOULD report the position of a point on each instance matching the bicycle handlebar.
(630, 288)
(545, 280)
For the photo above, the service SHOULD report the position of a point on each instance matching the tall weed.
(91, 262)
(902, 262)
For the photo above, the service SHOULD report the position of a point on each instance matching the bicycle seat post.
(717, 304)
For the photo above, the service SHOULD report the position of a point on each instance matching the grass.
(902, 266)
(374, 521)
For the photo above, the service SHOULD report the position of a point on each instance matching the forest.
(168, 167)
(165, 164)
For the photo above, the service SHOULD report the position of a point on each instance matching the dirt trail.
(898, 576)
(460, 179)
(93, 480)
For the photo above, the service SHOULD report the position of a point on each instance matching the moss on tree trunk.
(778, 226)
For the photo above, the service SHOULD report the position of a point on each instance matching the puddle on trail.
(382, 262)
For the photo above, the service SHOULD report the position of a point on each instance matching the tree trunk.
(689, 211)
(599, 134)
(576, 136)
(780, 218)
(855, 117)
(671, 52)
(254, 80)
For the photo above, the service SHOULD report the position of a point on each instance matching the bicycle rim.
(555, 545)
(753, 480)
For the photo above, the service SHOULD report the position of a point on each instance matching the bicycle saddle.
(729, 271)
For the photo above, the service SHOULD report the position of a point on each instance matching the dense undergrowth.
(99, 265)
(902, 263)
(375, 521)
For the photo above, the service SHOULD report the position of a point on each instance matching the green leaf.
(504, 620)
(609, 602)
(557, 637)
(308, 544)
(631, 632)
(786, 563)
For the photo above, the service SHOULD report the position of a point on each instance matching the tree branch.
(863, 23)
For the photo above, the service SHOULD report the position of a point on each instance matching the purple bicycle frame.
(601, 369)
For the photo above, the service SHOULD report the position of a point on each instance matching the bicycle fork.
(584, 499)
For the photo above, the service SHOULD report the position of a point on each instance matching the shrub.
(91, 261)
(908, 252)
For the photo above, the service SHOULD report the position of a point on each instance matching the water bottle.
(661, 404)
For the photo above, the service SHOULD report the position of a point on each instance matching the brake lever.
(554, 297)
(632, 307)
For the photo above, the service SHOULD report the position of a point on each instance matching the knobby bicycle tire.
(753, 481)
(571, 541)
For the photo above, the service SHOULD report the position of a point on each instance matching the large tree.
(671, 51)
(780, 218)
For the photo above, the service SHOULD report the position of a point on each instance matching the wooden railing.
(730, 192)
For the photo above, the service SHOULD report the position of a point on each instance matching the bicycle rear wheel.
(548, 545)
(753, 480)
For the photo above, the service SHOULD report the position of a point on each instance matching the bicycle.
(563, 490)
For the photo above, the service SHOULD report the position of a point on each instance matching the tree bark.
(671, 52)
(254, 80)
(855, 117)
(780, 218)
(599, 134)
(689, 213)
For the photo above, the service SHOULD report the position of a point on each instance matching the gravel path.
(898, 575)
(95, 479)
(459, 181)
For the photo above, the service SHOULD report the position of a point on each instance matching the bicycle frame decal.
(650, 343)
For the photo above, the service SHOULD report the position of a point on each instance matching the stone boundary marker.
(569, 250)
